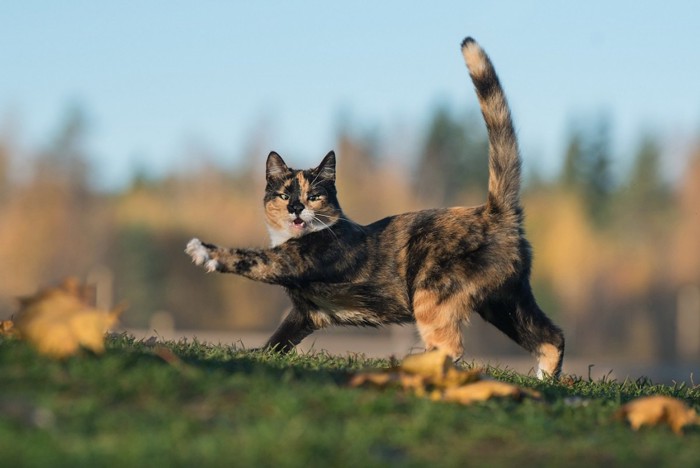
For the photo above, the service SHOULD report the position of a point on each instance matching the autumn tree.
(4, 170)
(586, 167)
(645, 189)
(454, 158)
(64, 161)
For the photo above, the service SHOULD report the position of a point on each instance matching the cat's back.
(441, 237)
(431, 225)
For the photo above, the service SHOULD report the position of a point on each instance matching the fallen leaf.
(434, 375)
(455, 377)
(656, 410)
(377, 379)
(482, 391)
(419, 372)
(433, 364)
(438, 369)
(416, 382)
(7, 328)
(59, 320)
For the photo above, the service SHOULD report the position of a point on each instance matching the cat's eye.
(313, 198)
(283, 196)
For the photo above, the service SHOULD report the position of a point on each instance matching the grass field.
(186, 403)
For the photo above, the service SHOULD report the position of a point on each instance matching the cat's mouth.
(298, 223)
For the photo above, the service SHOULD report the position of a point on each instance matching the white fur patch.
(211, 266)
(200, 255)
(281, 235)
(475, 58)
(277, 236)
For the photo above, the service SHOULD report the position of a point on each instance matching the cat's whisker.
(343, 218)
(315, 218)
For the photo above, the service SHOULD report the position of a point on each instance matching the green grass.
(203, 405)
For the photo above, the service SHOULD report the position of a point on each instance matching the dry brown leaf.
(58, 320)
(419, 372)
(482, 391)
(418, 383)
(383, 379)
(438, 369)
(658, 409)
(377, 379)
(455, 377)
(434, 375)
(7, 328)
(464, 387)
(433, 364)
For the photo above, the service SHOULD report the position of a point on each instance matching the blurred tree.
(454, 158)
(4, 169)
(357, 164)
(599, 179)
(572, 171)
(586, 167)
(141, 272)
(68, 212)
(9, 134)
(684, 243)
(65, 160)
(642, 205)
(54, 212)
(645, 187)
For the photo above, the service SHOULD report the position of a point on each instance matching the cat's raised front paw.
(200, 255)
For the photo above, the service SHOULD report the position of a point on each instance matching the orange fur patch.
(438, 322)
(548, 359)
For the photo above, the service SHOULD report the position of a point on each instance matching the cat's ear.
(326, 170)
(275, 168)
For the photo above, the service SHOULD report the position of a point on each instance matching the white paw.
(211, 265)
(197, 251)
(200, 255)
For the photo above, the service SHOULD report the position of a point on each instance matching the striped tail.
(504, 158)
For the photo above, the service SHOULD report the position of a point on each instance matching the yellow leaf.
(482, 391)
(455, 377)
(658, 409)
(59, 320)
(419, 371)
(415, 382)
(433, 364)
(434, 375)
(437, 368)
(7, 328)
(378, 379)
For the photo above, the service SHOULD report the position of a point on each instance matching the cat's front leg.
(294, 327)
(266, 265)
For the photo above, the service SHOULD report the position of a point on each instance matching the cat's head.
(299, 202)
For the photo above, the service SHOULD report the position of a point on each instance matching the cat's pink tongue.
(298, 223)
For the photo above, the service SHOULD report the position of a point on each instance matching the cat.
(432, 267)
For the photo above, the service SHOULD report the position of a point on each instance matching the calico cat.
(432, 267)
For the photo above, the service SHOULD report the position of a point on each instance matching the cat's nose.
(295, 207)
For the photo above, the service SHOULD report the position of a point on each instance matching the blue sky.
(159, 76)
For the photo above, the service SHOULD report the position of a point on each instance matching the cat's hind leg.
(525, 323)
(438, 321)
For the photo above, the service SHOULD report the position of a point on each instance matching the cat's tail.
(504, 157)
